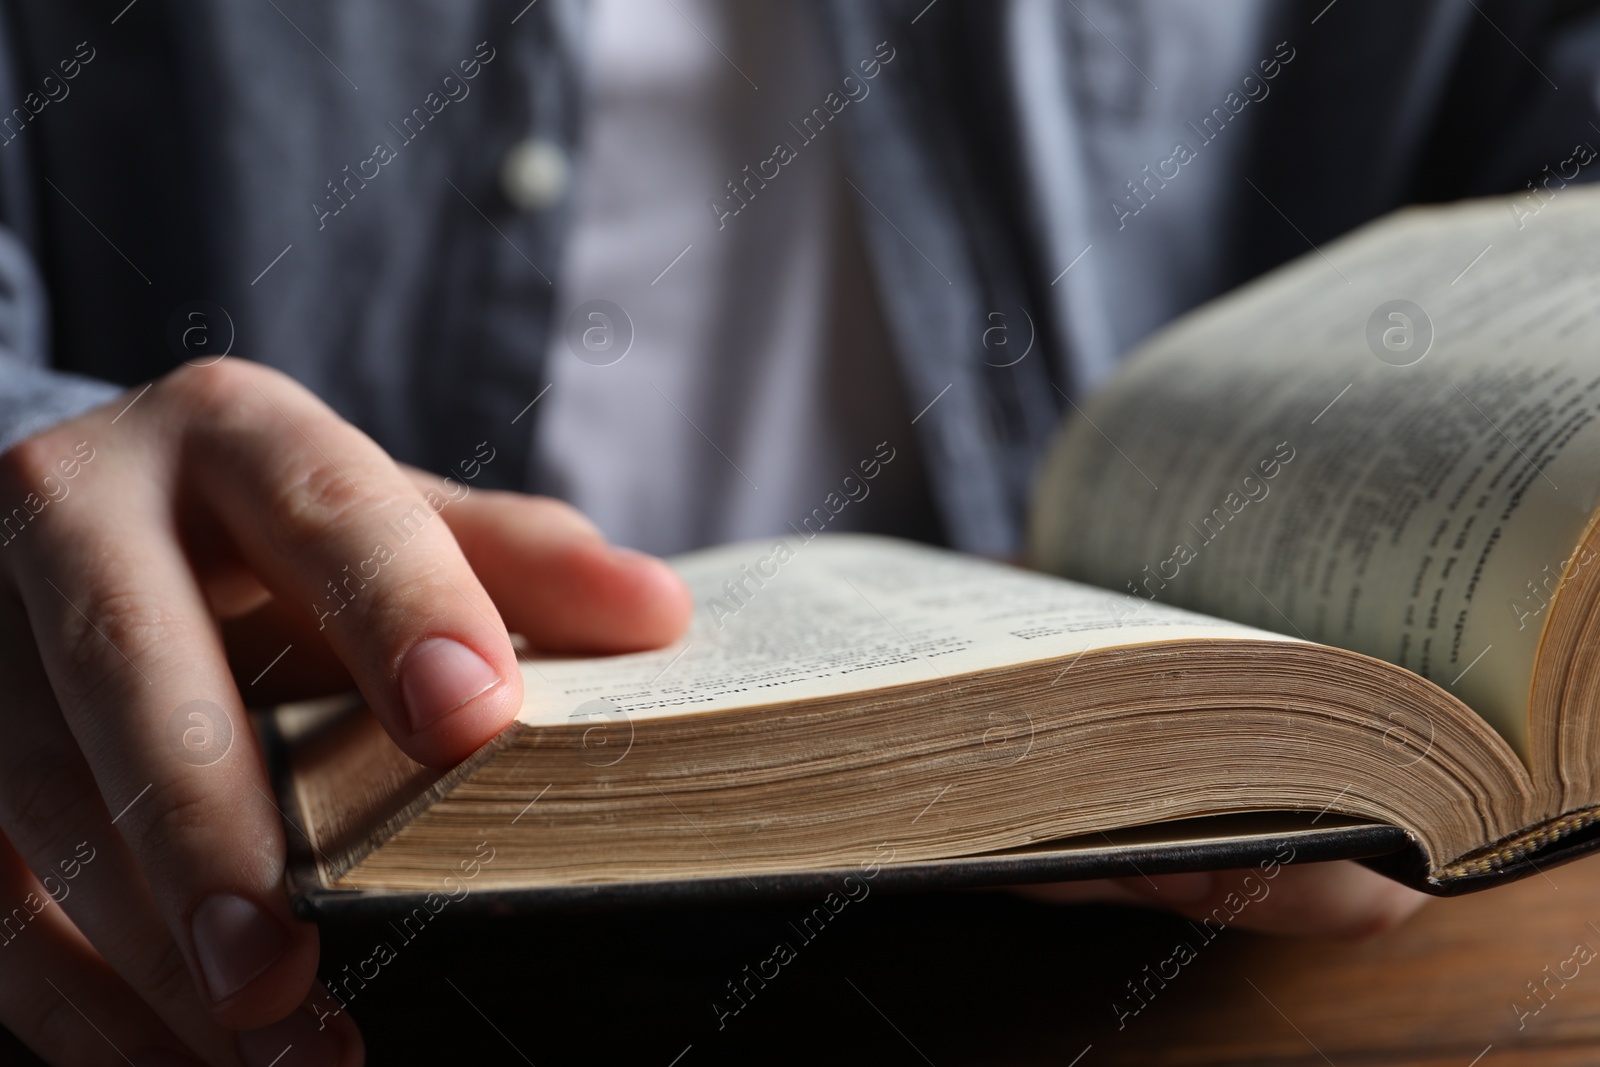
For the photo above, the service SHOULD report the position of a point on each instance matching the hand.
(1340, 900)
(155, 555)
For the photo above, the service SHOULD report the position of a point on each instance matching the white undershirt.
(759, 373)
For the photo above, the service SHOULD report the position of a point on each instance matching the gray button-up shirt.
(320, 187)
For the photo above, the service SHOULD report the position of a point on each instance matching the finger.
(58, 997)
(555, 579)
(328, 521)
(55, 820)
(1340, 900)
(319, 1033)
(135, 664)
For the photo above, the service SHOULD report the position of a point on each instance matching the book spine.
(1520, 846)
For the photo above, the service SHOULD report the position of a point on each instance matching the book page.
(797, 619)
(1389, 445)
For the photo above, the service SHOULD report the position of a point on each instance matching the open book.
(1327, 547)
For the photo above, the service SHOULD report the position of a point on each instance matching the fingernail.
(1175, 888)
(235, 941)
(438, 676)
(298, 1041)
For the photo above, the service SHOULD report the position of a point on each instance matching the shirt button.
(535, 174)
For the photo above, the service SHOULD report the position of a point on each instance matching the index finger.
(328, 521)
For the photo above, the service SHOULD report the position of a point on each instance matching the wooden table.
(1448, 989)
(988, 978)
